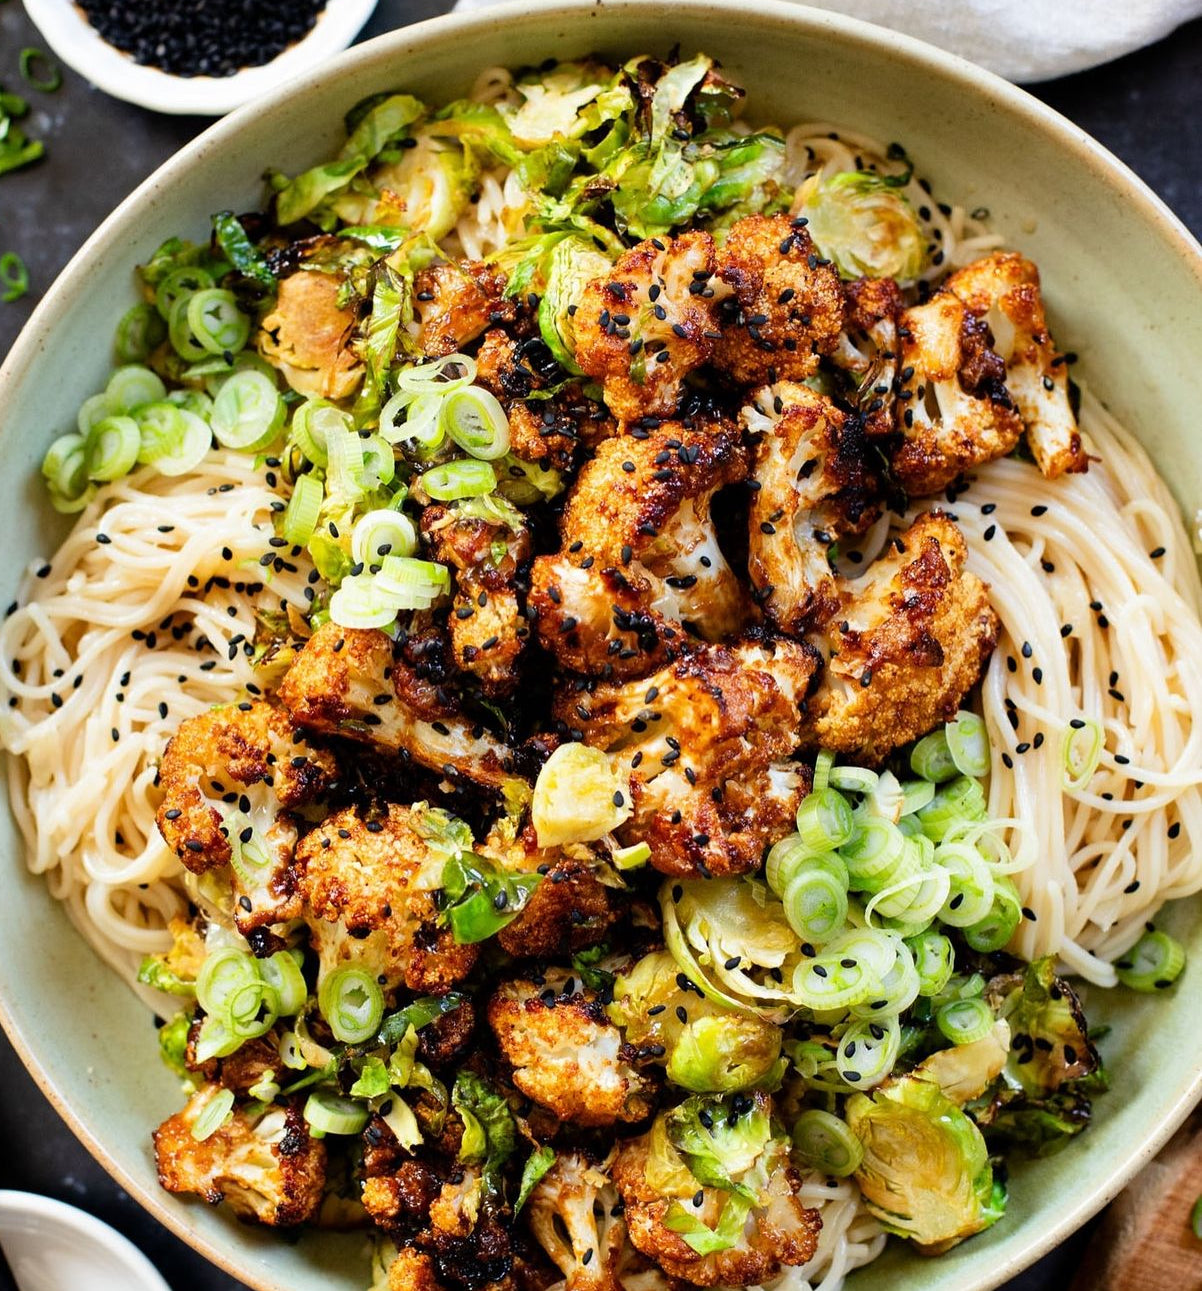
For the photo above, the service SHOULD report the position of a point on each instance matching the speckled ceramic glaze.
(1124, 282)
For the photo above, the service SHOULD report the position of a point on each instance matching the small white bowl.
(79, 45)
(51, 1245)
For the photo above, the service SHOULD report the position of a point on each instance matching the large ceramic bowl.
(1125, 287)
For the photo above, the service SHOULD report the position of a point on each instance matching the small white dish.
(74, 40)
(51, 1246)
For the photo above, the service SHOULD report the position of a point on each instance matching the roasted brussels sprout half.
(864, 224)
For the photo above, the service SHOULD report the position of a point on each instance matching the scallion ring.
(379, 462)
(831, 982)
(630, 858)
(112, 448)
(900, 987)
(995, 930)
(382, 533)
(289, 1047)
(174, 440)
(358, 603)
(440, 376)
(867, 1051)
(412, 584)
(311, 423)
(1080, 752)
(970, 895)
(464, 478)
(824, 820)
(826, 1143)
(968, 744)
(824, 764)
(14, 277)
(133, 386)
(1154, 963)
(934, 961)
(931, 758)
(853, 779)
(179, 332)
(474, 419)
(352, 1003)
(282, 973)
(303, 510)
(248, 412)
(213, 1115)
(331, 1113)
(216, 321)
(964, 1021)
(960, 800)
(221, 974)
(93, 409)
(815, 903)
(179, 284)
(876, 854)
(48, 83)
(140, 331)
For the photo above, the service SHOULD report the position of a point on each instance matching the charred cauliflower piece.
(543, 427)
(266, 1166)
(565, 1053)
(787, 309)
(953, 410)
(816, 486)
(368, 887)
(868, 348)
(1003, 289)
(910, 640)
(568, 912)
(644, 326)
(656, 1185)
(705, 742)
(308, 336)
(456, 303)
(575, 1218)
(640, 554)
(241, 767)
(347, 682)
(484, 543)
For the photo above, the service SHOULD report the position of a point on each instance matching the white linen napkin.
(1023, 40)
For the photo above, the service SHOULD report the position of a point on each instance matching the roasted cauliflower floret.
(706, 743)
(868, 348)
(1003, 289)
(369, 886)
(644, 326)
(412, 1271)
(640, 554)
(229, 778)
(308, 336)
(569, 911)
(575, 1218)
(953, 410)
(265, 1165)
(565, 1053)
(543, 427)
(816, 487)
(484, 542)
(456, 303)
(662, 1196)
(909, 641)
(787, 309)
(347, 682)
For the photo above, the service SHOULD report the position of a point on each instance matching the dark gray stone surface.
(1143, 108)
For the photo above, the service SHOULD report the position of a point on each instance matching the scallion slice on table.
(14, 277)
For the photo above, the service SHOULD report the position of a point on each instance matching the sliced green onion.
(630, 858)
(379, 462)
(14, 276)
(216, 370)
(961, 800)
(252, 1010)
(824, 820)
(825, 1142)
(1154, 963)
(358, 603)
(178, 285)
(815, 903)
(213, 1115)
(964, 1021)
(248, 412)
(352, 1003)
(65, 467)
(970, 895)
(824, 764)
(916, 794)
(179, 332)
(876, 948)
(968, 744)
(112, 448)
(132, 386)
(1080, 752)
(289, 1047)
(221, 975)
(934, 961)
(382, 533)
(464, 478)
(874, 851)
(344, 471)
(173, 445)
(900, 987)
(330, 1113)
(311, 423)
(832, 982)
(474, 419)
(789, 855)
(440, 376)
(931, 758)
(192, 401)
(412, 584)
(282, 974)
(303, 510)
(216, 321)
(996, 929)
(140, 331)
(423, 425)
(48, 83)
(853, 779)
(93, 409)
(216, 1039)
(867, 1051)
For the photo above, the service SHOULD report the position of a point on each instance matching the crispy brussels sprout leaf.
(489, 1131)
(863, 222)
(173, 1044)
(239, 250)
(965, 1071)
(925, 1173)
(380, 123)
(718, 1138)
(573, 263)
(537, 1164)
(480, 898)
(154, 972)
(420, 1013)
(700, 1236)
